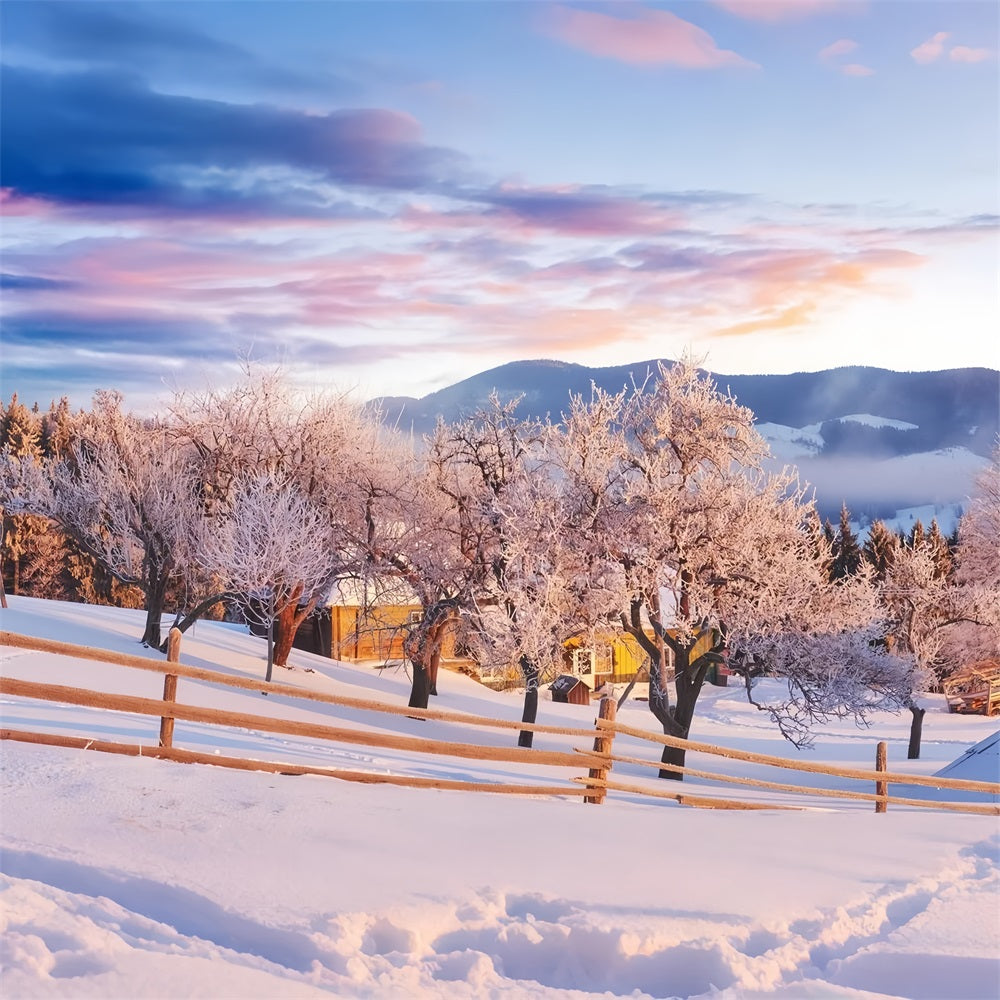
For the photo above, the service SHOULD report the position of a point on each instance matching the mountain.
(878, 440)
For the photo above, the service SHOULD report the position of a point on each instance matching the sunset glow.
(395, 196)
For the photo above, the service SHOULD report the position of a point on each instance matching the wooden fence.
(592, 787)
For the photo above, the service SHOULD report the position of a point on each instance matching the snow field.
(126, 877)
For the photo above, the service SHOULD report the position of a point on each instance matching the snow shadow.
(190, 914)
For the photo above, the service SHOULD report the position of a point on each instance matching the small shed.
(975, 689)
(569, 689)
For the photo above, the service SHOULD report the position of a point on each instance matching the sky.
(124, 877)
(388, 197)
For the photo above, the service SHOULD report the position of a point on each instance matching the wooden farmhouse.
(363, 625)
(359, 626)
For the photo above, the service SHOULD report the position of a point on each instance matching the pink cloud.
(648, 38)
(13, 203)
(962, 53)
(519, 211)
(929, 51)
(841, 47)
(857, 69)
(779, 10)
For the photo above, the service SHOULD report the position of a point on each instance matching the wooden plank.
(287, 727)
(285, 690)
(777, 786)
(247, 764)
(956, 784)
(975, 809)
(684, 798)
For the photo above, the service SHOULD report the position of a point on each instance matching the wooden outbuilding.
(569, 689)
(975, 689)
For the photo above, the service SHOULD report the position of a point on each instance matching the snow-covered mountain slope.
(882, 441)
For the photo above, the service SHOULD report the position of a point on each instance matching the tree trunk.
(420, 689)
(156, 597)
(270, 645)
(689, 679)
(916, 729)
(435, 658)
(422, 647)
(284, 633)
(530, 713)
(183, 624)
(289, 618)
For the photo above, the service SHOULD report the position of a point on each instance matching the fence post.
(170, 688)
(881, 787)
(602, 744)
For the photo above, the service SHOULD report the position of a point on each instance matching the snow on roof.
(978, 763)
(383, 592)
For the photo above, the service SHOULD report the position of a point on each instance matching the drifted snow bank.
(124, 877)
(128, 878)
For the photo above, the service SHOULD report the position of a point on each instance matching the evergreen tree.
(940, 551)
(846, 551)
(821, 536)
(20, 438)
(880, 548)
(20, 433)
(916, 537)
(57, 430)
(830, 541)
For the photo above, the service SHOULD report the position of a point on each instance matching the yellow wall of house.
(380, 633)
(625, 658)
(377, 634)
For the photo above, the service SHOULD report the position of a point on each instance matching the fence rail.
(593, 786)
(881, 777)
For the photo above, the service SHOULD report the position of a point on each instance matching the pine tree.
(821, 536)
(938, 545)
(846, 551)
(20, 437)
(57, 430)
(20, 433)
(880, 548)
(916, 537)
(830, 541)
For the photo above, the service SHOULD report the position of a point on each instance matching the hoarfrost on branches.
(271, 545)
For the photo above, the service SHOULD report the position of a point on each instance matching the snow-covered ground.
(126, 877)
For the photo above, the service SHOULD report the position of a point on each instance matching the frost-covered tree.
(58, 430)
(271, 545)
(880, 548)
(944, 620)
(123, 495)
(319, 442)
(915, 538)
(939, 549)
(127, 497)
(846, 551)
(976, 576)
(497, 473)
(20, 446)
(718, 562)
(421, 544)
(922, 606)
